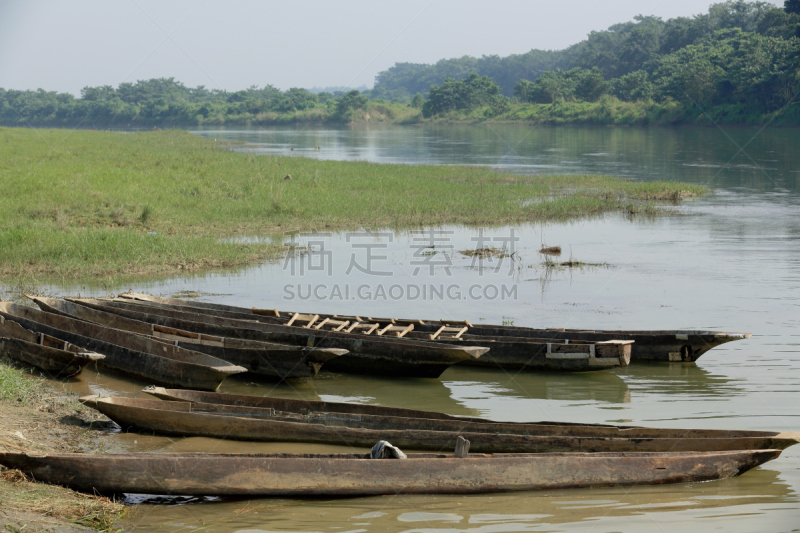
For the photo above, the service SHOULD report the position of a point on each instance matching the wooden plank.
(333, 325)
(397, 331)
(454, 333)
(297, 317)
(359, 327)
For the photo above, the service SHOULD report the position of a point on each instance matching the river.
(729, 261)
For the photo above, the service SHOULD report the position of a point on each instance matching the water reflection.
(679, 381)
(700, 155)
(605, 387)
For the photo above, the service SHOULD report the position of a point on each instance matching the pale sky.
(67, 45)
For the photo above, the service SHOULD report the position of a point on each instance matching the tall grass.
(79, 204)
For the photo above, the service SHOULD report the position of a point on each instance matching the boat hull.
(684, 346)
(296, 475)
(128, 353)
(204, 420)
(509, 353)
(266, 360)
(517, 353)
(666, 346)
(433, 419)
(58, 358)
(367, 354)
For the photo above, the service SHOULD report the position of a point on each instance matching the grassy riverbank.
(31, 414)
(610, 111)
(90, 204)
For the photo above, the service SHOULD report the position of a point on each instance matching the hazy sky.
(67, 45)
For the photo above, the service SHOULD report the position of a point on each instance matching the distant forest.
(741, 61)
(738, 53)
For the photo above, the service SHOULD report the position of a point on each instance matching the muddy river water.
(729, 261)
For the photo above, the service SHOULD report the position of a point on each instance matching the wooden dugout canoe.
(193, 419)
(367, 354)
(511, 353)
(294, 475)
(268, 360)
(58, 358)
(149, 359)
(654, 345)
(433, 419)
(519, 353)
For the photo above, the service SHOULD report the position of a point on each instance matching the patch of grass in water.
(104, 207)
(580, 264)
(484, 252)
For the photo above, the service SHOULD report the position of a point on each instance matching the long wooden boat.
(268, 360)
(520, 353)
(150, 359)
(437, 419)
(249, 475)
(511, 353)
(653, 345)
(58, 358)
(195, 419)
(367, 354)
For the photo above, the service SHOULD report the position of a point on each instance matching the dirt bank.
(38, 416)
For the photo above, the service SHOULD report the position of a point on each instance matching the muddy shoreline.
(36, 416)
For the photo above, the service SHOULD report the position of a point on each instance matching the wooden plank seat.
(362, 327)
(397, 331)
(298, 317)
(448, 333)
(172, 334)
(332, 324)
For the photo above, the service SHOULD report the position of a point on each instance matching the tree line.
(167, 102)
(742, 57)
(739, 53)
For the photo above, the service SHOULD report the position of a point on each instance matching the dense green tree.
(623, 48)
(301, 98)
(589, 84)
(779, 23)
(469, 93)
(689, 75)
(523, 90)
(351, 101)
(557, 85)
(633, 87)
(550, 87)
(791, 6)
(738, 14)
(617, 51)
(406, 79)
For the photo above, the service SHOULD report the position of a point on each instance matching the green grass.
(80, 205)
(15, 385)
